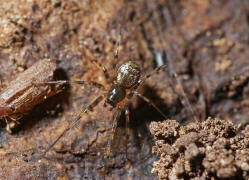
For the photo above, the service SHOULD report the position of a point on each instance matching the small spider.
(117, 95)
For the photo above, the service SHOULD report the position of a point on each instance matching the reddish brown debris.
(211, 149)
(23, 94)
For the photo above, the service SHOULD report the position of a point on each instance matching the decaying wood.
(205, 42)
(22, 94)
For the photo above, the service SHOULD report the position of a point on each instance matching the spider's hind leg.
(108, 78)
(141, 81)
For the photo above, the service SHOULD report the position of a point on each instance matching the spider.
(122, 89)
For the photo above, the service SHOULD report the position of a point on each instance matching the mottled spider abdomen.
(128, 74)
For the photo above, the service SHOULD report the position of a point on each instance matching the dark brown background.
(205, 42)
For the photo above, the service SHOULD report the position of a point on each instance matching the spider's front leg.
(127, 128)
(149, 102)
(114, 127)
(75, 121)
(73, 82)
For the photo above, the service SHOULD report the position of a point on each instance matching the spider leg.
(76, 121)
(185, 100)
(89, 83)
(141, 81)
(127, 128)
(149, 102)
(114, 127)
(116, 54)
(103, 68)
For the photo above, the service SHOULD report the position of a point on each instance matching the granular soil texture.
(212, 149)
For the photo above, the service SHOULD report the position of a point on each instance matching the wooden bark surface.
(205, 42)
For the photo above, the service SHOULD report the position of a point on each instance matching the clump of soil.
(210, 149)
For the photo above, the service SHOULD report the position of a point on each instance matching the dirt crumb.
(210, 149)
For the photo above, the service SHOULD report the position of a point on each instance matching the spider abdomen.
(128, 74)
